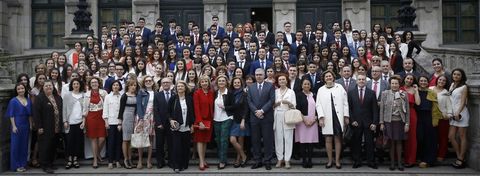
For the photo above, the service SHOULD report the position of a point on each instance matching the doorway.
(258, 15)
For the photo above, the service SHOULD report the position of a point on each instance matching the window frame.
(387, 6)
(115, 5)
(458, 22)
(50, 7)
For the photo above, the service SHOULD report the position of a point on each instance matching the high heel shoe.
(69, 165)
(206, 165)
(202, 168)
(76, 164)
(243, 163)
(328, 166)
(126, 164)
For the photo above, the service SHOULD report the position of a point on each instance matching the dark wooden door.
(313, 11)
(182, 11)
(240, 11)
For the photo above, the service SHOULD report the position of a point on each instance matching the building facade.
(29, 25)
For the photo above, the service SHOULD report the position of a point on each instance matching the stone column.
(6, 93)
(3, 26)
(148, 9)
(358, 11)
(430, 15)
(70, 8)
(19, 16)
(214, 8)
(283, 11)
(473, 133)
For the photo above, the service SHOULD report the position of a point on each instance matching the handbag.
(140, 139)
(293, 116)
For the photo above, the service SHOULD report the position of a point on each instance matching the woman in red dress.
(411, 88)
(203, 104)
(92, 113)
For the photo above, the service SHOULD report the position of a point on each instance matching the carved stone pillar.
(430, 15)
(283, 11)
(148, 9)
(358, 11)
(213, 8)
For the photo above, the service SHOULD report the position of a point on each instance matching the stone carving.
(82, 19)
(406, 16)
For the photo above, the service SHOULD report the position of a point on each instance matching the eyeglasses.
(375, 60)
(148, 80)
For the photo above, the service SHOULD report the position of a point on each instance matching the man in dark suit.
(376, 83)
(408, 65)
(339, 39)
(346, 80)
(242, 61)
(119, 75)
(253, 54)
(270, 36)
(297, 42)
(197, 37)
(162, 128)
(331, 36)
(295, 82)
(220, 31)
(229, 33)
(261, 97)
(288, 36)
(114, 35)
(315, 77)
(308, 34)
(262, 62)
(158, 32)
(144, 31)
(364, 118)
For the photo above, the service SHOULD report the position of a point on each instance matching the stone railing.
(12, 65)
(6, 93)
(468, 60)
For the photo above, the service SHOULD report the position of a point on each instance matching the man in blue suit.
(220, 29)
(144, 31)
(262, 62)
(261, 97)
(162, 127)
(229, 33)
(355, 44)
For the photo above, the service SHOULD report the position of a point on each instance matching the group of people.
(234, 85)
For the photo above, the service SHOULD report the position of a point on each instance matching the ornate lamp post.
(406, 16)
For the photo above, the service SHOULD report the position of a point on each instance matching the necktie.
(375, 87)
(260, 90)
(338, 44)
(308, 36)
(241, 64)
(262, 65)
(361, 95)
(385, 78)
(347, 82)
(196, 39)
(168, 96)
(229, 35)
(312, 76)
(253, 56)
(355, 46)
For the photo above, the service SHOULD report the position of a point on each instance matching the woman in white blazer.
(284, 100)
(333, 113)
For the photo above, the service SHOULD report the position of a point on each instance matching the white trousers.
(283, 137)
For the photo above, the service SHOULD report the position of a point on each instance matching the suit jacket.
(249, 56)
(365, 113)
(306, 39)
(43, 114)
(294, 46)
(246, 66)
(146, 34)
(233, 35)
(239, 109)
(351, 85)
(175, 110)
(353, 51)
(383, 87)
(159, 111)
(285, 37)
(263, 100)
(256, 64)
(297, 87)
(317, 83)
(270, 39)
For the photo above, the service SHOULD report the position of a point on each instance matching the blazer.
(142, 101)
(43, 114)
(263, 101)
(324, 106)
(160, 108)
(239, 109)
(285, 37)
(175, 110)
(297, 87)
(365, 113)
(386, 107)
(351, 85)
(256, 64)
(397, 66)
(302, 103)
(203, 105)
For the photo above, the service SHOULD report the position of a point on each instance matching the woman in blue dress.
(19, 112)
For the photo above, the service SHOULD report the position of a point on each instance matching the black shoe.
(339, 166)
(48, 170)
(268, 166)
(392, 168)
(243, 163)
(256, 165)
(69, 165)
(328, 166)
(373, 166)
(356, 165)
(221, 167)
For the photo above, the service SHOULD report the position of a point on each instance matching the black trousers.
(356, 144)
(74, 141)
(160, 139)
(47, 148)
(262, 130)
(114, 144)
(180, 150)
